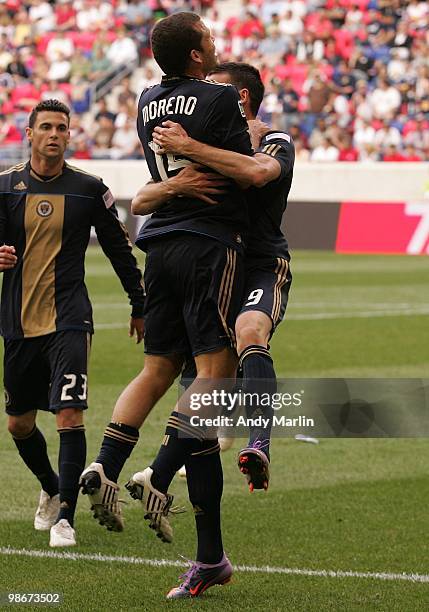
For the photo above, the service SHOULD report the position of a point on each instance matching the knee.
(69, 417)
(159, 380)
(20, 427)
(217, 365)
(248, 335)
(160, 372)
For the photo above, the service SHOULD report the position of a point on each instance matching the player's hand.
(8, 258)
(257, 129)
(136, 329)
(193, 182)
(170, 137)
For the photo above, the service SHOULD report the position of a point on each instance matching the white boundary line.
(320, 316)
(265, 569)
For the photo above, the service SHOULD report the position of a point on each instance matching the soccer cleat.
(255, 465)
(156, 505)
(47, 511)
(200, 577)
(62, 534)
(104, 497)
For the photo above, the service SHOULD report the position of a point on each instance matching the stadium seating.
(357, 64)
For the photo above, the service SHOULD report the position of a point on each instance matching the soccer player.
(268, 276)
(47, 208)
(193, 282)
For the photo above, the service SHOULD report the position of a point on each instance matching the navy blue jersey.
(49, 223)
(211, 113)
(267, 204)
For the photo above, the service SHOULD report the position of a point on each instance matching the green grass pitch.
(344, 505)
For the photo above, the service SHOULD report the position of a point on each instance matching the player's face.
(208, 48)
(50, 135)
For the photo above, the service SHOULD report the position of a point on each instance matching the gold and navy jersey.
(267, 204)
(49, 223)
(211, 113)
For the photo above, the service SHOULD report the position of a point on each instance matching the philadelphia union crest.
(44, 208)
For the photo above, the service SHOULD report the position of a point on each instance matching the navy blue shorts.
(267, 287)
(46, 373)
(194, 290)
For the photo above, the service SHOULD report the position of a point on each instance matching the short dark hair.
(245, 76)
(54, 106)
(173, 38)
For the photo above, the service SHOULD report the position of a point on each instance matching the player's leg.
(208, 283)
(208, 293)
(131, 409)
(68, 353)
(99, 480)
(71, 461)
(205, 485)
(267, 290)
(181, 437)
(26, 382)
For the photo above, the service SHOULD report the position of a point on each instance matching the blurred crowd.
(348, 79)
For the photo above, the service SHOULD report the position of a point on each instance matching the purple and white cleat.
(253, 462)
(200, 577)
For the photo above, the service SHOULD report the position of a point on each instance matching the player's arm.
(8, 258)
(255, 171)
(192, 181)
(113, 238)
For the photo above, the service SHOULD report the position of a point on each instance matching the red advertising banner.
(383, 227)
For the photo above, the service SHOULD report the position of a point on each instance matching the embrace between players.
(208, 299)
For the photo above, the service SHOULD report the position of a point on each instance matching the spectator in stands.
(54, 92)
(290, 101)
(123, 50)
(355, 63)
(80, 96)
(136, 14)
(65, 16)
(387, 136)
(273, 48)
(125, 142)
(364, 135)
(301, 153)
(104, 111)
(22, 27)
(391, 154)
(291, 26)
(410, 154)
(41, 16)
(103, 136)
(309, 48)
(347, 152)
(99, 65)
(325, 152)
(16, 66)
(318, 93)
(80, 67)
(344, 81)
(59, 70)
(93, 15)
(6, 52)
(384, 100)
(148, 78)
(9, 133)
(59, 46)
